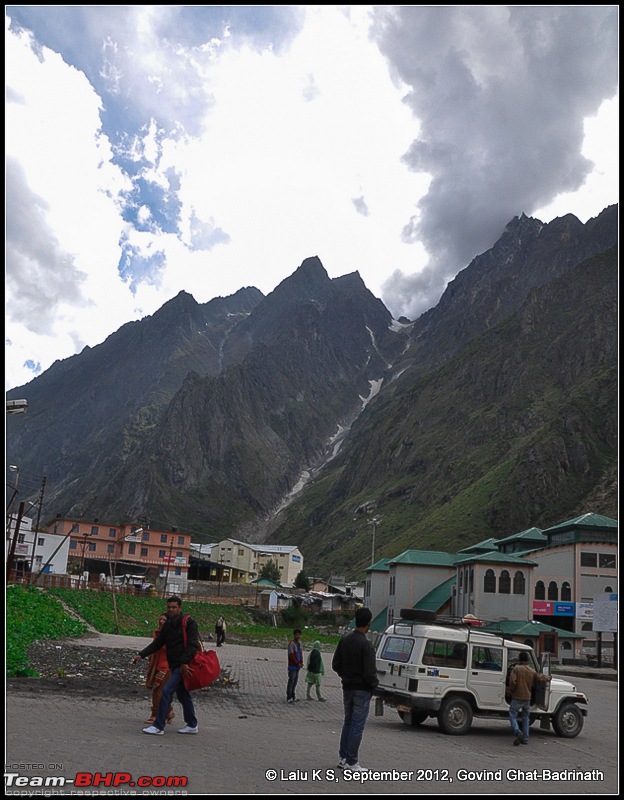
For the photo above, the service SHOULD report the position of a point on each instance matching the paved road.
(249, 729)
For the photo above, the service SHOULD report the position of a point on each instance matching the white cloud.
(208, 148)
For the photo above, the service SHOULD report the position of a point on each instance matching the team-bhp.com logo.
(95, 780)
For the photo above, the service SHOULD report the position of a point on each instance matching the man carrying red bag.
(180, 650)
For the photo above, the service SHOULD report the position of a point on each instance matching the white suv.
(456, 672)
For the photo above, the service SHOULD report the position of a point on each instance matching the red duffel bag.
(204, 666)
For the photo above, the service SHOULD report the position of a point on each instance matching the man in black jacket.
(179, 655)
(354, 661)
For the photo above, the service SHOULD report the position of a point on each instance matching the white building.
(50, 550)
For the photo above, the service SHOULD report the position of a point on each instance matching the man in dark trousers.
(354, 661)
(171, 636)
(521, 681)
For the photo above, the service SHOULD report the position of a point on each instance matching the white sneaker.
(342, 763)
(153, 731)
(188, 729)
(356, 767)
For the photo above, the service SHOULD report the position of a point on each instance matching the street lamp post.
(374, 521)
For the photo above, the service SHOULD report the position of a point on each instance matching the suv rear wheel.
(568, 720)
(413, 718)
(455, 716)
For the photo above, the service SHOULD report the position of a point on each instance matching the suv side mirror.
(545, 663)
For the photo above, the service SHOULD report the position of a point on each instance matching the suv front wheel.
(455, 716)
(568, 720)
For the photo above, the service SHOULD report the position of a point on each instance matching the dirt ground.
(87, 671)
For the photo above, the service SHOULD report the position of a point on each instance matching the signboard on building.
(543, 607)
(564, 609)
(605, 612)
(585, 611)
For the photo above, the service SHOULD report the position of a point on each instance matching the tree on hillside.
(302, 581)
(271, 572)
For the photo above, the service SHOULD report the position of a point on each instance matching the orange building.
(160, 553)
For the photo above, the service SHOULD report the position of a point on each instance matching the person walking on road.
(354, 661)
(316, 668)
(295, 663)
(521, 681)
(158, 673)
(220, 629)
(171, 636)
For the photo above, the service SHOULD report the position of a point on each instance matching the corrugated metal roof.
(437, 597)
(535, 534)
(486, 544)
(588, 520)
(425, 558)
(496, 558)
(379, 566)
(524, 627)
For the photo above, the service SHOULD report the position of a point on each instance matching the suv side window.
(444, 654)
(487, 658)
(397, 648)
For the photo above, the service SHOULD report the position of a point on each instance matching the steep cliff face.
(497, 414)
(510, 433)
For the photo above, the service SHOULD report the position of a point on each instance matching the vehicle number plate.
(405, 709)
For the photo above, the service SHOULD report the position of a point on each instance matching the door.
(486, 677)
(541, 691)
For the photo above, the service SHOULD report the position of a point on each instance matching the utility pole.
(168, 565)
(18, 522)
(32, 557)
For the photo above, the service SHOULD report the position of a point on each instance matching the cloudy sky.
(151, 149)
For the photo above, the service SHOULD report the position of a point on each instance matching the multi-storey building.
(99, 546)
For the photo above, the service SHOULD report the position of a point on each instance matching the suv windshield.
(396, 648)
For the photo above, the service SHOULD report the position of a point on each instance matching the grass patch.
(30, 615)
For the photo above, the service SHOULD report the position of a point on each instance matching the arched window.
(540, 591)
(504, 583)
(519, 586)
(608, 590)
(489, 582)
(566, 591)
(566, 646)
(553, 591)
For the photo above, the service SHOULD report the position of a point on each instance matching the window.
(519, 585)
(94, 530)
(540, 591)
(566, 591)
(504, 583)
(178, 571)
(587, 626)
(73, 545)
(40, 541)
(21, 538)
(143, 552)
(180, 539)
(606, 560)
(178, 554)
(490, 658)
(146, 536)
(110, 548)
(471, 580)
(241, 552)
(92, 546)
(131, 548)
(553, 591)
(397, 649)
(608, 589)
(112, 533)
(489, 582)
(589, 559)
(163, 537)
(440, 653)
(161, 554)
